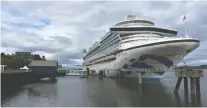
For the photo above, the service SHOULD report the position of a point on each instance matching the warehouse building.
(44, 68)
(24, 55)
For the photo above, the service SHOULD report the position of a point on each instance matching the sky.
(60, 30)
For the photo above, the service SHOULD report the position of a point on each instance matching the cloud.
(61, 29)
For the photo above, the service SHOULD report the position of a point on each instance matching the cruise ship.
(138, 43)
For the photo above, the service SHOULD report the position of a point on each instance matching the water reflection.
(198, 95)
(71, 91)
(147, 94)
(43, 93)
(186, 95)
(178, 100)
(195, 99)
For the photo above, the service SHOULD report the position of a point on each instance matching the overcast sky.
(60, 30)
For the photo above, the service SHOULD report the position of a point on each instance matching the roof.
(43, 63)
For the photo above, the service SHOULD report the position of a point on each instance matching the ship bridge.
(132, 25)
(132, 21)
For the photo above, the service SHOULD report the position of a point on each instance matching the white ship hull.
(159, 55)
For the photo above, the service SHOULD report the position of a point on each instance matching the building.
(60, 66)
(26, 55)
(43, 67)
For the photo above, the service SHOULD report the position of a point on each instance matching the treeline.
(11, 61)
(14, 63)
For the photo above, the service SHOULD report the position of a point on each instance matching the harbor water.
(73, 91)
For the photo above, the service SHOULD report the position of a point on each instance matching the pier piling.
(185, 84)
(194, 76)
(178, 84)
(104, 73)
(101, 74)
(140, 77)
(197, 80)
(192, 85)
(107, 74)
(186, 90)
(87, 72)
(198, 94)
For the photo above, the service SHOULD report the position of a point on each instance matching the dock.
(38, 69)
(17, 77)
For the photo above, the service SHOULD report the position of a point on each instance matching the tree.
(43, 58)
(3, 55)
(14, 63)
(37, 57)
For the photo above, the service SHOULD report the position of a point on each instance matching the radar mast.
(130, 17)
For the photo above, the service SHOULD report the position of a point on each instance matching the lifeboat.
(106, 58)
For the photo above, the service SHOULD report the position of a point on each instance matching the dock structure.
(37, 69)
(101, 74)
(87, 72)
(13, 78)
(62, 72)
(194, 75)
(45, 68)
